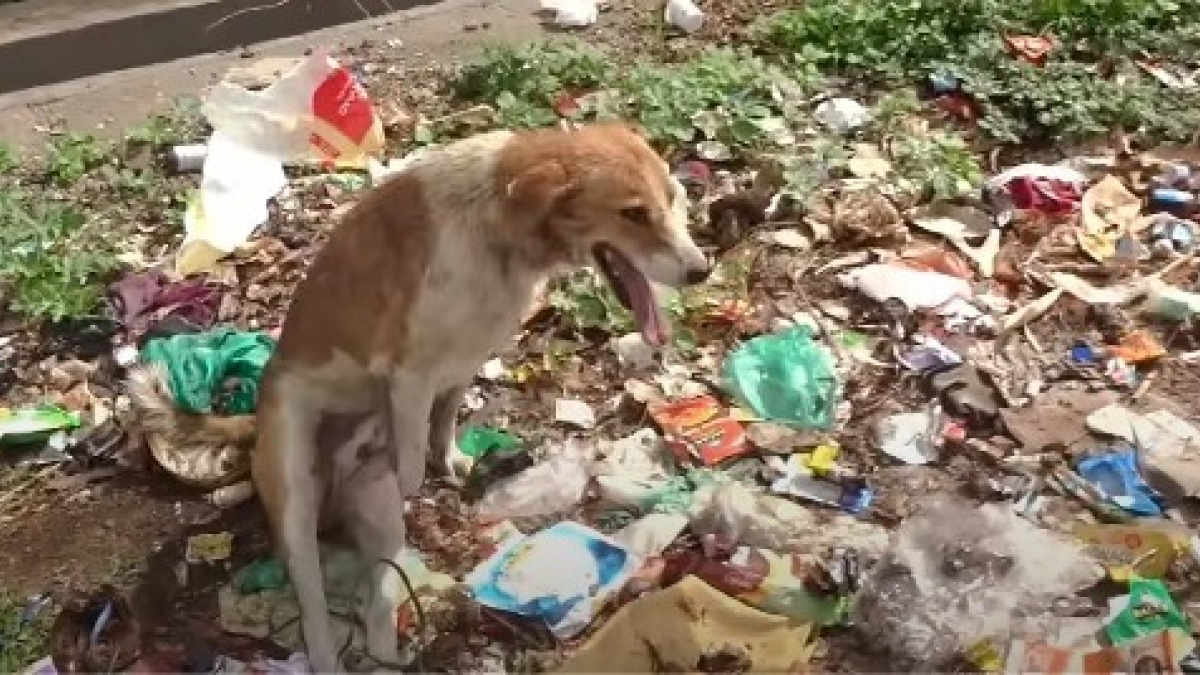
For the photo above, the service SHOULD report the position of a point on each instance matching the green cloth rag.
(213, 371)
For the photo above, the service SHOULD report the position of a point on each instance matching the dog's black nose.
(698, 275)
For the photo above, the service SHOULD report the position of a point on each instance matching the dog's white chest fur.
(469, 306)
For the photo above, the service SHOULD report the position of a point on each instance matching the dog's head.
(600, 192)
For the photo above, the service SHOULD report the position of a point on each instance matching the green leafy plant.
(938, 164)
(8, 158)
(533, 74)
(806, 169)
(733, 85)
(588, 302)
(935, 163)
(21, 643)
(512, 111)
(1076, 94)
(52, 270)
(72, 156)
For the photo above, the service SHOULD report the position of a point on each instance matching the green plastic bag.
(475, 441)
(260, 575)
(1150, 609)
(213, 371)
(785, 377)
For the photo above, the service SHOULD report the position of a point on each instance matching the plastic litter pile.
(949, 455)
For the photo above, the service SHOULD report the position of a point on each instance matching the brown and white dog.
(429, 273)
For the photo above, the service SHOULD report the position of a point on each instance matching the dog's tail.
(201, 449)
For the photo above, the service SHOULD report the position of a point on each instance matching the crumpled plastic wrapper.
(751, 517)
(958, 573)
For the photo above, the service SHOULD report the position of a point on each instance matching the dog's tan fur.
(424, 277)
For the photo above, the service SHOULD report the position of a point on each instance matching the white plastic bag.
(842, 114)
(634, 469)
(552, 486)
(572, 13)
(315, 112)
(916, 288)
(748, 516)
(958, 573)
(684, 14)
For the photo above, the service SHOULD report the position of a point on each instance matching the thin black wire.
(420, 611)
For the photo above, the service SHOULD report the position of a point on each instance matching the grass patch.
(52, 269)
(70, 157)
(732, 90)
(523, 82)
(1088, 84)
(22, 641)
(8, 159)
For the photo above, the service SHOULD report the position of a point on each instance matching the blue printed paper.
(563, 575)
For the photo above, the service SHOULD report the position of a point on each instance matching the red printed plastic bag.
(316, 111)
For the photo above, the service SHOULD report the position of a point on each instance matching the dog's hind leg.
(443, 433)
(283, 470)
(376, 521)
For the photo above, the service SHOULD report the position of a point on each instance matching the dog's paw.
(457, 466)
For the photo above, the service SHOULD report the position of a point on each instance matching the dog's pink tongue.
(654, 326)
(650, 320)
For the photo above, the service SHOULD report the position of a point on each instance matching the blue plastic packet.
(1116, 476)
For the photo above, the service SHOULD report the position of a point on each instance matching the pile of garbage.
(769, 506)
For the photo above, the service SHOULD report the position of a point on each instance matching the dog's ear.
(538, 191)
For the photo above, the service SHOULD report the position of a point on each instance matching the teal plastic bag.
(1151, 609)
(476, 441)
(786, 377)
(213, 371)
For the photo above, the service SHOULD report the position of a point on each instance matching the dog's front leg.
(410, 410)
(283, 469)
(443, 433)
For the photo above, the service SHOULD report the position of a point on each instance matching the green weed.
(8, 158)
(523, 82)
(21, 644)
(1075, 95)
(587, 302)
(183, 123)
(158, 131)
(733, 86)
(938, 164)
(51, 270)
(722, 95)
(72, 156)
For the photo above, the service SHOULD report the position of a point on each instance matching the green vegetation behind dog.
(72, 156)
(21, 643)
(1088, 85)
(526, 83)
(51, 267)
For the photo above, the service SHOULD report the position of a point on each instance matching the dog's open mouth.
(633, 290)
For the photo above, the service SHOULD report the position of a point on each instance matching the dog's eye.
(639, 215)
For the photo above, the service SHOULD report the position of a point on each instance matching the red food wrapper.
(699, 429)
